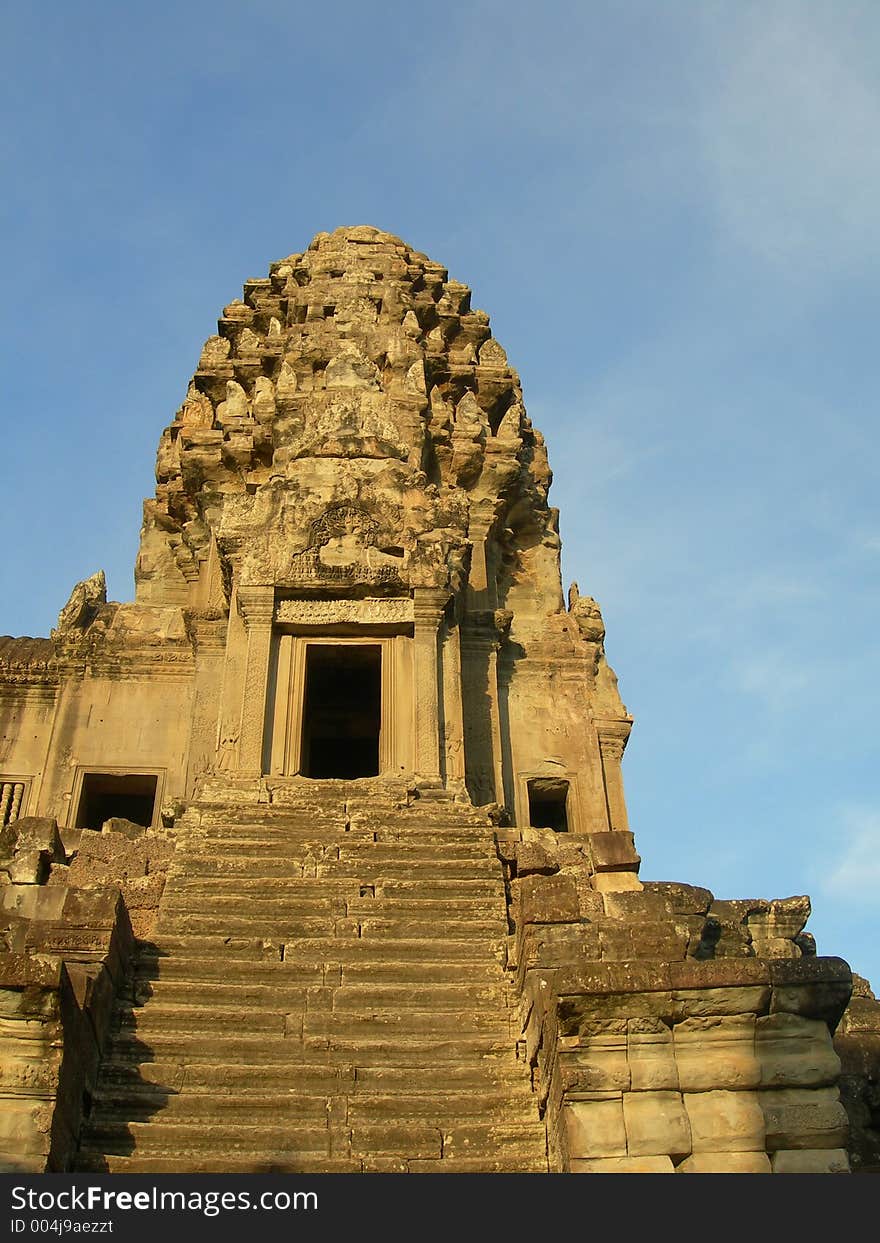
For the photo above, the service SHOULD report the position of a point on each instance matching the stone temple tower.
(316, 855)
(351, 516)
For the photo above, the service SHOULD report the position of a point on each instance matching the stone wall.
(668, 1032)
(66, 942)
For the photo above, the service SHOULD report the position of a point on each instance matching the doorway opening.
(548, 804)
(342, 711)
(105, 796)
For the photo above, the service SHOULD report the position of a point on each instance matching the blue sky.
(671, 213)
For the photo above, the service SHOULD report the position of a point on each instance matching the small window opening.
(548, 804)
(342, 711)
(106, 796)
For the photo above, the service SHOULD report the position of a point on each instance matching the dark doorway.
(548, 800)
(129, 796)
(342, 711)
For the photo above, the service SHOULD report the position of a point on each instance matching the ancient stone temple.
(315, 857)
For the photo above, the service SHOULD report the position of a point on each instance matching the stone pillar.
(208, 635)
(428, 604)
(612, 741)
(480, 641)
(257, 607)
(453, 720)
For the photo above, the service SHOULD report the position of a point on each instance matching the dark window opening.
(548, 799)
(342, 711)
(105, 796)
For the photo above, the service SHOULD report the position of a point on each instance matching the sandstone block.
(615, 882)
(811, 1161)
(719, 973)
(638, 907)
(599, 1064)
(613, 852)
(717, 1053)
(724, 1121)
(624, 1165)
(795, 1052)
(651, 1056)
(656, 1124)
(548, 899)
(595, 1128)
(682, 899)
(815, 988)
(532, 859)
(701, 1003)
(725, 1163)
(804, 1118)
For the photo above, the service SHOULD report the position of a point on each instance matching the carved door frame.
(285, 718)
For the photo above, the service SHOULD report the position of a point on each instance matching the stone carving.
(338, 612)
(344, 550)
(85, 600)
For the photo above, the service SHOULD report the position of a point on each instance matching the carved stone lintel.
(373, 612)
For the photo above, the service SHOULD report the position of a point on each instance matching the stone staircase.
(325, 993)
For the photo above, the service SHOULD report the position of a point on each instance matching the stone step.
(408, 1138)
(316, 1078)
(258, 1108)
(280, 1163)
(242, 887)
(392, 868)
(313, 1078)
(161, 1018)
(438, 837)
(381, 1024)
(256, 994)
(249, 994)
(525, 1164)
(482, 1105)
(227, 905)
(94, 1161)
(483, 931)
(390, 1050)
(391, 852)
(178, 923)
(187, 1107)
(157, 1019)
(229, 970)
(366, 868)
(337, 950)
(461, 997)
(174, 923)
(158, 1137)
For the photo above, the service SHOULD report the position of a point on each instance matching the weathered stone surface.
(804, 1118)
(547, 900)
(817, 988)
(651, 1056)
(725, 1163)
(795, 1052)
(624, 1165)
(811, 1161)
(656, 1124)
(596, 1128)
(717, 1053)
(725, 1121)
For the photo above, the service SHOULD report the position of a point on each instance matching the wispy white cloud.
(856, 874)
(790, 135)
(775, 677)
